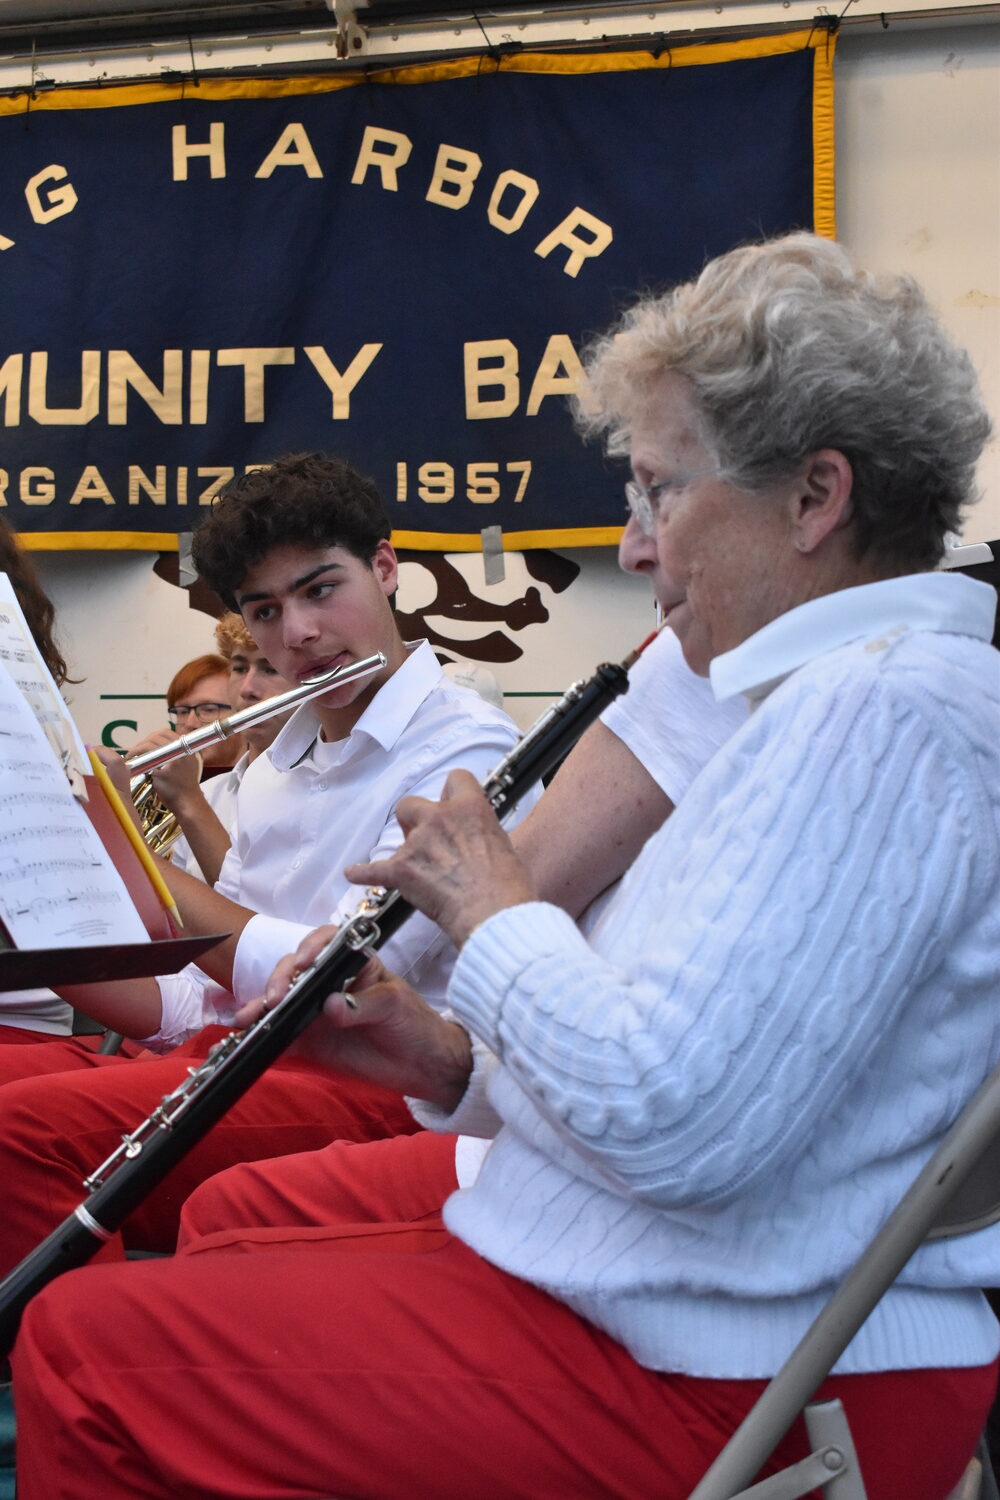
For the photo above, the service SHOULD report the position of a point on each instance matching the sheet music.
(23, 660)
(58, 886)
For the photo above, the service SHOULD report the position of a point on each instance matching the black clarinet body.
(182, 1118)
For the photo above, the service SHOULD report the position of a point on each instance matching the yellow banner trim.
(513, 541)
(98, 541)
(824, 206)
(695, 55)
(418, 541)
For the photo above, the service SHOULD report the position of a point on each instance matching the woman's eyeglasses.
(644, 499)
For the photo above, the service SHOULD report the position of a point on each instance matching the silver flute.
(245, 718)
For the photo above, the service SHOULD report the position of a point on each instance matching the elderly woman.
(700, 1114)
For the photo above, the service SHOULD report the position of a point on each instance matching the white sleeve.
(183, 999)
(669, 718)
(262, 943)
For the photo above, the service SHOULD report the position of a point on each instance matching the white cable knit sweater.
(709, 1109)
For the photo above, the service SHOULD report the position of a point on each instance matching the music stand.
(24, 968)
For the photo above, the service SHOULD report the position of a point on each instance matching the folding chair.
(83, 1026)
(957, 1192)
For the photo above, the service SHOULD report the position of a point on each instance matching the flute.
(245, 718)
(183, 1117)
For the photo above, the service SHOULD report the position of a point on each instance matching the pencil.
(135, 838)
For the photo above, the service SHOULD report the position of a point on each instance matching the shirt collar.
(237, 772)
(944, 602)
(384, 719)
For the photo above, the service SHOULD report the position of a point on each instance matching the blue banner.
(399, 268)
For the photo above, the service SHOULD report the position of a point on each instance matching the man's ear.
(385, 566)
(821, 502)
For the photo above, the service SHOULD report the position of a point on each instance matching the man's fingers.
(281, 979)
(249, 1013)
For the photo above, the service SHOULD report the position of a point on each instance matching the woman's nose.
(636, 550)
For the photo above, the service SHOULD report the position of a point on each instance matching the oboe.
(183, 1117)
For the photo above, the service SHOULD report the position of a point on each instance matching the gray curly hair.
(788, 348)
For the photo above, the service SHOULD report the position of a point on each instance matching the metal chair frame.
(944, 1199)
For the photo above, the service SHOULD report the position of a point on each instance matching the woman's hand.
(384, 1033)
(457, 865)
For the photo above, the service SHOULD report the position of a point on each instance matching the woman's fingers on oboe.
(373, 971)
(460, 784)
(412, 811)
(369, 997)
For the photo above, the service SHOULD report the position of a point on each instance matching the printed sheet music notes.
(58, 887)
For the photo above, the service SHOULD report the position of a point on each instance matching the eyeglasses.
(644, 499)
(205, 713)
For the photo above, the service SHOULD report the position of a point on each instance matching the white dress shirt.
(307, 808)
(220, 794)
(669, 718)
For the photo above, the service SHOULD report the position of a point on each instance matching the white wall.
(918, 174)
(918, 170)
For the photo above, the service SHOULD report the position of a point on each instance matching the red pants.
(64, 1108)
(385, 1359)
(22, 1036)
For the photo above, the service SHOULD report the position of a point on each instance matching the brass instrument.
(160, 827)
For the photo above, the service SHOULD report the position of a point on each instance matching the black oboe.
(145, 1156)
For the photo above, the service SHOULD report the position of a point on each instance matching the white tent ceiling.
(51, 43)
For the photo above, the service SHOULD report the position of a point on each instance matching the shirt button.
(296, 863)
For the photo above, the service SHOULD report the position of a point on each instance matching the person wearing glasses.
(199, 710)
(197, 695)
(205, 806)
(700, 1113)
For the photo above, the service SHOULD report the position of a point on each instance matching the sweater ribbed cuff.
(475, 1114)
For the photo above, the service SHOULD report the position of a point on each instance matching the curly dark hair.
(39, 611)
(304, 500)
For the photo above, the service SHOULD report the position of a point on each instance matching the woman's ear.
(822, 500)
